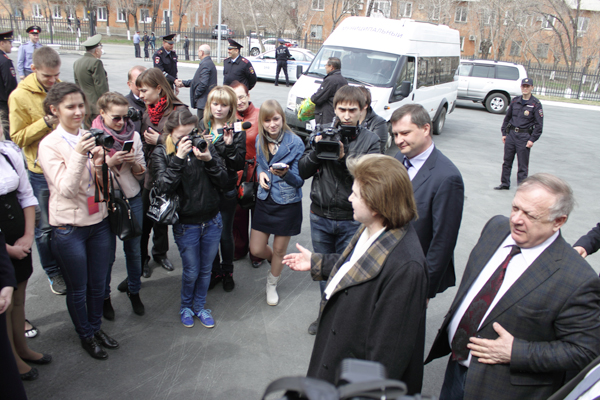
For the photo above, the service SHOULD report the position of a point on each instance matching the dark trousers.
(515, 143)
(83, 254)
(160, 239)
(138, 52)
(10, 380)
(282, 64)
(241, 224)
(227, 209)
(146, 55)
(187, 54)
(454, 381)
(200, 114)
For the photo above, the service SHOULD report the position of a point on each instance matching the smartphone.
(127, 146)
(279, 166)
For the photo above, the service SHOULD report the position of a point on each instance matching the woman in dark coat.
(374, 305)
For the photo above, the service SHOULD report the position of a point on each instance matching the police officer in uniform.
(522, 126)
(8, 83)
(165, 59)
(282, 54)
(237, 68)
(26, 51)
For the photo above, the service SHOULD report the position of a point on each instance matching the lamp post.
(219, 35)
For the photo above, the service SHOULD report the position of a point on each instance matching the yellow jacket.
(27, 125)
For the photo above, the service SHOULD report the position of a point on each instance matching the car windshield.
(358, 65)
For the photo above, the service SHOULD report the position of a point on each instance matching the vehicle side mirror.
(298, 71)
(404, 89)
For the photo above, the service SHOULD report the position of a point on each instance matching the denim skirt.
(277, 219)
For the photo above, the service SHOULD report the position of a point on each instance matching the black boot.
(108, 311)
(146, 271)
(92, 346)
(123, 286)
(136, 303)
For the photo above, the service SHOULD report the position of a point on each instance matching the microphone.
(239, 126)
(246, 125)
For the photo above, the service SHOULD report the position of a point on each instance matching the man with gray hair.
(203, 81)
(528, 307)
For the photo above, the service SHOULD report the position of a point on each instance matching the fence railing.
(559, 81)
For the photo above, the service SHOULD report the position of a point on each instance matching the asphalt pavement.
(253, 343)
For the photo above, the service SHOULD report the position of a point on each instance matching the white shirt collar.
(532, 253)
(418, 161)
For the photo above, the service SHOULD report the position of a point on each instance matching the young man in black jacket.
(323, 98)
(331, 222)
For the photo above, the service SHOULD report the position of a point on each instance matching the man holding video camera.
(331, 222)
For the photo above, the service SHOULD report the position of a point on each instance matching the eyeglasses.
(118, 118)
(242, 97)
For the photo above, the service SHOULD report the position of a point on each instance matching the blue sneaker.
(187, 317)
(205, 318)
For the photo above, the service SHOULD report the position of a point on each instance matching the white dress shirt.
(418, 161)
(517, 265)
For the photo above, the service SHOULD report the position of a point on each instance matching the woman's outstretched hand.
(298, 261)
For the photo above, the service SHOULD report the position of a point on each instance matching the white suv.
(492, 83)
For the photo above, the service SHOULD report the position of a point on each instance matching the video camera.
(328, 148)
(134, 114)
(102, 138)
(357, 379)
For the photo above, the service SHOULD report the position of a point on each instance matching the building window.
(515, 49)
(578, 54)
(37, 11)
(435, 13)
(462, 43)
(101, 14)
(318, 5)
(461, 14)
(166, 14)
(17, 13)
(121, 15)
(316, 32)
(542, 50)
(70, 13)
(383, 7)
(548, 22)
(405, 9)
(56, 13)
(582, 24)
(145, 15)
(489, 17)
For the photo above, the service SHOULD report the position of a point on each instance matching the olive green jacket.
(91, 77)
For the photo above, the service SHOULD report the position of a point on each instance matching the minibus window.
(406, 75)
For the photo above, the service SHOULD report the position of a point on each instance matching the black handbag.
(163, 208)
(247, 190)
(120, 217)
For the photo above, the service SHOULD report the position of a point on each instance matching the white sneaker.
(272, 296)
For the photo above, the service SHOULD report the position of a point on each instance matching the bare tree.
(342, 8)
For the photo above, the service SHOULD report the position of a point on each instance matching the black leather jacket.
(234, 156)
(332, 182)
(196, 182)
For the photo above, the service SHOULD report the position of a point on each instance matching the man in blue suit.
(528, 307)
(439, 193)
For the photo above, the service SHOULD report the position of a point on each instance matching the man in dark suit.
(204, 80)
(589, 243)
(439, 192)
(134, 93)
(528, 307)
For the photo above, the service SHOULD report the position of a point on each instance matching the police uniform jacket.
(25, 57)
(92, 79)
(525, 114)
(9, 77)
(282, 53)
(167, 63)
(240, 70)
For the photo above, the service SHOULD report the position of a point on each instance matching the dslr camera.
(102, 138)
(328, 148)
(198, 140)
(134, 114)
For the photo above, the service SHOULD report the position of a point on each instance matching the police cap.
(234, 44)
(92, 42)
(6, 35)
(527, 81)
(33, 29)
(169, 38)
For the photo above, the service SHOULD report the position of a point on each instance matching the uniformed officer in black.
(165, 59)
(237, 68)
(8, 83)
(522, 126)
(282, 54)
(186, 48)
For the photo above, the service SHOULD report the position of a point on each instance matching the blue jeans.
(330, 236)
(198, 245)
(42, 236)
(133, 252)
(454, 381)
(83, 254)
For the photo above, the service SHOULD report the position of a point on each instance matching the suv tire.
(254, 51)
(496, 103)
(440, 121)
